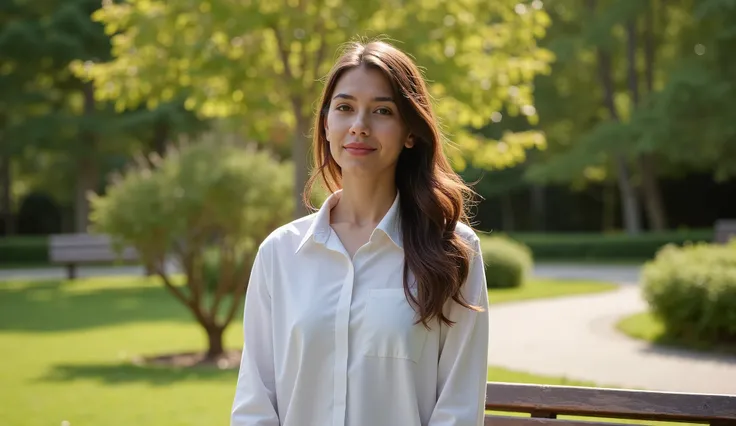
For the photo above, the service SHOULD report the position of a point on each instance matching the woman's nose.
(359, 126)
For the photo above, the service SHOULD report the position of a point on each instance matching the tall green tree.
(660, 81)
(264, 61)
(53, 129)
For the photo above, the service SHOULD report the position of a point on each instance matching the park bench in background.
(724, 230)
(75, 249)
(546, 403)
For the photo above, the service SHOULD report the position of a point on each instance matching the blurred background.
(148, 146)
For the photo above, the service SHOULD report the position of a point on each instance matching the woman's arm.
(463, 364)
(255, 394)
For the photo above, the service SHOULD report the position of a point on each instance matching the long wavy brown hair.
(433, 197)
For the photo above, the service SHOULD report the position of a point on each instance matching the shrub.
(208, 205)
(598, 246)
(692, 289)
(507, 261)
(24, 250)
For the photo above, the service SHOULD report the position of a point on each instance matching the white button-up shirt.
(331, 341)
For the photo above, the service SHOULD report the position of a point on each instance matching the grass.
(646, 326)
(546, 288)
(67, 348)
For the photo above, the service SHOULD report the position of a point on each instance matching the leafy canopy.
(264, 60)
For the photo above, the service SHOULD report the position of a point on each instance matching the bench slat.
(80, 248)
(612, 403)
(725, 229)
(494, 420)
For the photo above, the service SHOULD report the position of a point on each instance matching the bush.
(507, 262)
(24, 250)
(207, 205)
(597, 246)
(692, 289)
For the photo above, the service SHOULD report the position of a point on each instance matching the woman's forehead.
(363, 83)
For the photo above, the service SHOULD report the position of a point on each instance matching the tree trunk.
(87, 167)
(629, 203)
(215, 347)
(6, 205)
(656, 213)
(299, 154)
(87, 174)
(160, 136)
(609, 208)
(539, 207)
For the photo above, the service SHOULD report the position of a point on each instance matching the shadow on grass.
(49, 306)
(128, 373)
(693, 348)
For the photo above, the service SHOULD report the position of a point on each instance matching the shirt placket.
(342, 324)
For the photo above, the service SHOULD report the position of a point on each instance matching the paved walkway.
(575, 337)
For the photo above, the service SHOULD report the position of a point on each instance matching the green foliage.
(208, 205)
(24, 250)
(596, 246)
(507, 262)
(265, 60)
(203, 190)
(692, 289)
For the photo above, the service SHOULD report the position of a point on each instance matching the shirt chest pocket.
(389, 329)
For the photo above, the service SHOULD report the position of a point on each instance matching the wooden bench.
(724, 230)
(543, 404)
(74, 249)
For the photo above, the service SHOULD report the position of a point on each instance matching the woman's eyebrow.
(351, 97)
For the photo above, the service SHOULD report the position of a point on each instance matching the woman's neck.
(364, 202)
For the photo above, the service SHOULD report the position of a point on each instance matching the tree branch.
(227, 278)
(175, 291)
(283, 54)
(320, 54)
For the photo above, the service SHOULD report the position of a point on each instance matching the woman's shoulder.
(467, 233)
(288, 236)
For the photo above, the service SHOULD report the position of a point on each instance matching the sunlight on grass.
(546, 288)
(67, 351)
(646, 326)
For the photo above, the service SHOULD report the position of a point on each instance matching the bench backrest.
(546, 403)
(724, 230)
(69, 248)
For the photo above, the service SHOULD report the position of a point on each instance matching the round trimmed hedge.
(507, 262)
(692, 289)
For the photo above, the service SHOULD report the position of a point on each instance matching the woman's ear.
(409, 141)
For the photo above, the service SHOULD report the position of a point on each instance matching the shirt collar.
(320, 229)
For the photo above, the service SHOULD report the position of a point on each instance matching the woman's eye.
(343, 107)
(383, 111)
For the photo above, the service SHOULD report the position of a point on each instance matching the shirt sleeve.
(463, 363)
(255, 394)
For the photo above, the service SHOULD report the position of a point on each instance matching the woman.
(373, 310)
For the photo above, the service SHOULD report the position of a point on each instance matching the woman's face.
(363, 126)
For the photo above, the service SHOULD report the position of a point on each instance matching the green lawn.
(647, 327)
(544, 288)
(67, 349)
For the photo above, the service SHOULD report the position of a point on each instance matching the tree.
(208, 205)
(51, 125)
(264, 61)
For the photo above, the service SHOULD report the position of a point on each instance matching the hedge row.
(24, 250)
(553, 246)
(590, 246)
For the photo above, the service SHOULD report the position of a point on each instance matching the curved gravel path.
(575, 337)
